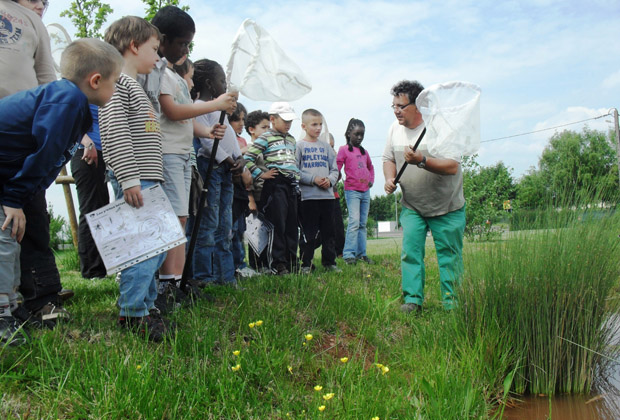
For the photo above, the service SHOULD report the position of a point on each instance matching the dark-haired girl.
(359, 177)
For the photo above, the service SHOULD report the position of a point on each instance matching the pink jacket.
(358, 169)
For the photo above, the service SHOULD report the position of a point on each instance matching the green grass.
(438, 368)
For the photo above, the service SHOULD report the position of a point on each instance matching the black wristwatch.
(422, 163)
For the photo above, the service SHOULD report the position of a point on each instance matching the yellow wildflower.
(138, 367)
(379, 365)
(251, 324)
(236, 352)
(344, 359)
(308, 337)
(236, 367)
(318, 388)
(305, 344)
(375, 418)
(290, 369)
(329, 396)
(259, 323)
(321, 408)
(385, 370)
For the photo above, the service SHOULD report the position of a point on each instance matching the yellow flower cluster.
(329, 396)
(255, 323)
(382, 368)
(236, 367)
(344, 359)
(318, 387)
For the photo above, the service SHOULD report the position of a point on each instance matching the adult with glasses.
(26, 62)
(433, 200)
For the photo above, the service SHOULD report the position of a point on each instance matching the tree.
(572, 167)
(485, 189)
(88, 16)
(152, 6)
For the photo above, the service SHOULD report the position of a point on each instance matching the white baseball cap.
(284, 110)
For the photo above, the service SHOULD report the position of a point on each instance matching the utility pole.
(617, 129)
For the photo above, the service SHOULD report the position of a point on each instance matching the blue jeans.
(213, 258)
(238, 248)
(138, 283)
(355, 241)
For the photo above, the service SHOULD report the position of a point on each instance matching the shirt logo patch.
(9, 34)
(151, 126)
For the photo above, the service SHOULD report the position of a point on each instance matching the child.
(256, 123)
(317, 165)
(39, 131)
(131, 142)
(280, 193)
(241, 198)
(359, 176)
(178, 128)
(26, 56)
(213, 260)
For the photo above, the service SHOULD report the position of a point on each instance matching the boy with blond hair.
(318, 174)
(132, 149)
(39, 131)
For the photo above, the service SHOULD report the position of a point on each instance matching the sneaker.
(333, 268)
(170, 299)
(305, 270)
(366, 260)
(25, 318)
(156, 314)
(350, 261)
(50, 315)
(411, 308)
(11, 332)
(245, 272)
(281, 270)
(65, 295)
(154, 328)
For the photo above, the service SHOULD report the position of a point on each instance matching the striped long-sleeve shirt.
(130, 135)
(278, 152)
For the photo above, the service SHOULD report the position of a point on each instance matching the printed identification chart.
(126, 236)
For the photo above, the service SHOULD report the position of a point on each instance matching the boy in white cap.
(279, 197)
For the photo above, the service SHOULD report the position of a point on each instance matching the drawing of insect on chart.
(126, 236)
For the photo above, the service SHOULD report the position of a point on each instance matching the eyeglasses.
(399, 107)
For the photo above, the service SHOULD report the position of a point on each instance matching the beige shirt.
(25, 53)
(425, 192)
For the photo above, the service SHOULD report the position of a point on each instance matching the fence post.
(65, 180)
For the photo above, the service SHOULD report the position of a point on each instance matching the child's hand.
(246, 177)
(218, 131)
(226, 102)
(18, 218)
(237, 166)
(133, 196)
(270, 174)
(252, 206)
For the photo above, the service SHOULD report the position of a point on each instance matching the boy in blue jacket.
(39, 131)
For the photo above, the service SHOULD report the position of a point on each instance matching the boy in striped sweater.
(132, 148)
(279, 197)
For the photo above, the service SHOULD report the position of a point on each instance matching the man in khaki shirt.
(432, 200)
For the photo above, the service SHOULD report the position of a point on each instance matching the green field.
(365, 359)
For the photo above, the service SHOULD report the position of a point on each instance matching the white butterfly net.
(59, 40)
(259, 68)
(451, 113)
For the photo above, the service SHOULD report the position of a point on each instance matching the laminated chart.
(126, 236)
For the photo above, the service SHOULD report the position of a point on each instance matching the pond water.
(603, 404)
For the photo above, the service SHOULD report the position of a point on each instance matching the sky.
(539, 63)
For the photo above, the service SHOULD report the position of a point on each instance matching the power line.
(538, 131)
(545, 129)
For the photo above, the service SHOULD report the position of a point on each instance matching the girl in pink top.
(359, 177)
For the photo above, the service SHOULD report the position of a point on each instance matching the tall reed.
(546, 293)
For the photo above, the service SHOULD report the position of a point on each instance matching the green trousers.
(447, 233)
